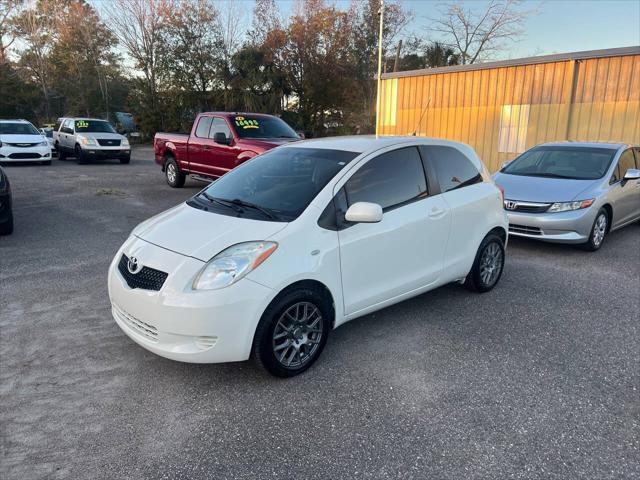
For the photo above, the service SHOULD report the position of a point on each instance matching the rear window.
(282, 181)
(17, 128)
(577, 163)
(93, 126)
(248, 126)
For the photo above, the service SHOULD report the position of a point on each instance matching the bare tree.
(478, 34)
(8, 11)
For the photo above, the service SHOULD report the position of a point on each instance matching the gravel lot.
(538, 379)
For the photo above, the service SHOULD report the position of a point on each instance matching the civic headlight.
(568, 206)
(125, 142)
(232, 264)
(86, 141)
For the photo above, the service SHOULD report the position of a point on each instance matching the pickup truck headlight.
(232, 264)
(125, 142)
(86, 141)
(569, 206)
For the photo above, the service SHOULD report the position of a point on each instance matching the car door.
(404, 251)
(66, 137)
(623, 194)
(199, 148)
(222, 156)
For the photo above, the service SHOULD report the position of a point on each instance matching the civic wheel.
(488, 265)
(293, 331)
(598, 231)
(175, 178)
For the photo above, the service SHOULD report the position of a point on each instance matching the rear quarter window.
(453, 169)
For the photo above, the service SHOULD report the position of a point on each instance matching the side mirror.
(300, 134)
(632, 174)
(364, 212)
(221, 138)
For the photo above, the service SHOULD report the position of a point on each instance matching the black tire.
(477, 281)
(175, 178)
(46, 162)
(6, 228)
(598, 232)
(81, 158)
(300, 336)
(62, 155)
(125, 160)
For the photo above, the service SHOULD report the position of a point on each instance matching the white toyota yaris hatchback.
(271, 257)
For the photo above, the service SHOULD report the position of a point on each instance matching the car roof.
(238, 114)
(369, 143)
(569, 144)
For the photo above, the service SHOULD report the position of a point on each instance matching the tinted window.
(389, 179)
(248, 126)
(204, 124)
(283, 181)
(218, 125)
(7, 128)
(626, 162)
(453, 168)
(580, 163)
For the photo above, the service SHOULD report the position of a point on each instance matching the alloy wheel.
(599, 229)
(297, 335)
(172, 174)
(491, 264)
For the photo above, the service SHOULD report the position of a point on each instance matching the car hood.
(200, 234)
(264, 144)
(540, 189)
(21, 138)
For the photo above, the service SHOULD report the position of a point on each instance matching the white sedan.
(299, 240)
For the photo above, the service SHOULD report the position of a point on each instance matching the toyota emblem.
(133, 266)
(510, 205)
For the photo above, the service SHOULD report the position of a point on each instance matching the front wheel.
(81, 158)
(292, 332)
(599, 231)
(488, 265)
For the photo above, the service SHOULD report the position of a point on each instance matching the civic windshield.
(10, 128)
(262, 127)
(578, 163)
(93, 126)
(275, 186)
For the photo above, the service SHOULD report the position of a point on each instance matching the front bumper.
(562, 227)
(10, 153)
(104, 153)
(182, 324)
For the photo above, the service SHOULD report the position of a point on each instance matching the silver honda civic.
(572, 192)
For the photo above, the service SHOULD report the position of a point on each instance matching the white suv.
(275, 254)
(89, 138)
(20, 141)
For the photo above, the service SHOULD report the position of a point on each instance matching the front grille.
(525, 207)
(109, 143)
(147, 331)
(524, 229)
(24, 155)
(21, 145)
(146, 279)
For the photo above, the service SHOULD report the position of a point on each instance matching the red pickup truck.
(219, 141)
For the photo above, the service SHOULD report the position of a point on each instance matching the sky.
(559, 26)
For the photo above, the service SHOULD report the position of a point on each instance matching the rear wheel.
(175, 178)
(599, 231)
(293, 332)
(488, 265)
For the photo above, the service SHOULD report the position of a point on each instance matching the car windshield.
(10, 128)
(578, 163)
(99, 126)
(276, 186)
(262, 127)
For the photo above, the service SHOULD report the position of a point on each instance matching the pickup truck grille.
(146, 279)
(109, 143)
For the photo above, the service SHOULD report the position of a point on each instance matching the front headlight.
(43, 144)
(232, 264)
(569, 206)
(86, 141)
(125, 142)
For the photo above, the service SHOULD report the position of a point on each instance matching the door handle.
(437, 212)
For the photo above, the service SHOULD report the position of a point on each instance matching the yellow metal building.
(503, 108)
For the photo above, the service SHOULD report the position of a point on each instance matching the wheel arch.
(500, 231)
(609, 209)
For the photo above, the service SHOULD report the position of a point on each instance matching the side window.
(390, 179)
(626, 162)
(67, 127)
(219, 125)
(204, 124)
(453, 168)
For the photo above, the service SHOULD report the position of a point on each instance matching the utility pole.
(381, 13)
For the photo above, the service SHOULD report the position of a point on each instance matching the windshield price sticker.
(245, 123)
(82, 124)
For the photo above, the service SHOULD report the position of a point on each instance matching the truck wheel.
(125, 160)
(175, 178)
(80, 157)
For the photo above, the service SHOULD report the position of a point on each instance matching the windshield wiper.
(266, 212)
(221, 201)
